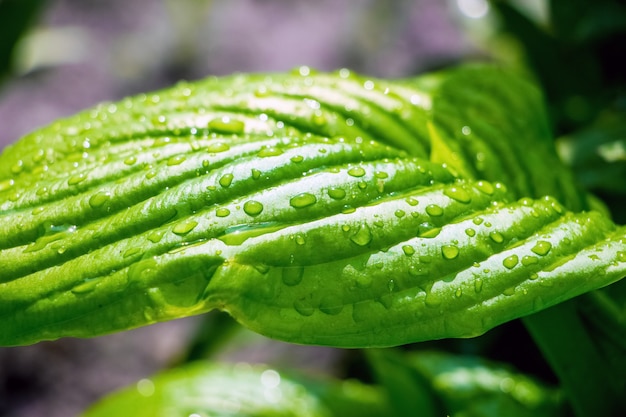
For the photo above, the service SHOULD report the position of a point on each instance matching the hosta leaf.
(211, 389)
(325, 209)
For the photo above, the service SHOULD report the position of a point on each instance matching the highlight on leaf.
(326, 209)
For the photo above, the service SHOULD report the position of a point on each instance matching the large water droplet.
(292, 275)
(363, 236)
(336, 193)
(226, 124)
(302, 200)
(434, 210)
(156, 236)
(458, 194)
(176, 160)
(216, 147)
(485, 187)
(99, 199)
(222, 212)
(542, 248)
(226, 180)
(252, 208)
(267, 152)
(185, 227)
(450, 251)
(356, 172)
(331, 305)
(510, 262)
(470, 232)
(529, 260)
(496, 237)
(408, 250)
(75, 179)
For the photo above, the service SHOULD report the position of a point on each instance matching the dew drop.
(176, 160)
(131, 160)
(252, 208)
(37, 211)
(408, 250)
(496, 237)
(478, 285)
(303, 307)
(302, 200)
(217, 147)
(363, 236)
(400, 213)
(542, 248)
(356, 172)
(336, 193)
(300, 239)
(450, 251)
(132, 252)
(381, 175)
(485, 187)
(76, 179)
(432, 300)
(292, 275)
(458, 194)
(477, 221)
(529, 260)
(86, 287)
(470, 232)
(156, 236)
(434, 210)
(6, 184)
(222, 212)
(225, 124)
(412, 202)
(458, 293)
(270, 151)
(621, 256)
(509, 291)
(184, 227)
(331, 305)
(510, 262)
(297, 158)
(99, 199)
(226, 180)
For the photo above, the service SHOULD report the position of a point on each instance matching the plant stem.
(570, 350)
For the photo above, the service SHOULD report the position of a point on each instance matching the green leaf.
(241, 389)
(472, 386)
(314, 209)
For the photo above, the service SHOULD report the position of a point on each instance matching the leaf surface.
(326, 209)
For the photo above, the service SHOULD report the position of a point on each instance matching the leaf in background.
(243, 390)
(304, 205)
(471, 386)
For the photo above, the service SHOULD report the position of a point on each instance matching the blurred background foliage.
(60, 56)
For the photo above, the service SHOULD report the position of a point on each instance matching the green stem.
(569, 349)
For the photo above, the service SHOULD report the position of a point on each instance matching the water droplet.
(156, 236)
(226, 180)
(297, 158)
(222, 212)
(381, 174)
(270, 151)
(408, 250)
(478, 285)
(292, 275)
(362, 185)
(345, 227)
(86, 287)
(433, 300)
(252, 208)
(132, 252)
(216, 147)
(300, 239)
(510, 262)
(621, 256)
(485, 187)
(430, 233)
(542, 248)
(363, 236)
(99, 199)
(458, 194)
(131, 160)
(496, 237)
(356, 172)
(434, 210)
(509, 291)
(470, 232)
(6, 184)
(400, 213)
(411, 201)
(450, 251)
(75, 179)
(38, 210)
(477, 221)
(176, 160)
(466, 130)
(529, 260)
(458, 293)
(336, 193)
(331, 305)
(227, 125)
(302, 200)
(304, 307)
(185, 227)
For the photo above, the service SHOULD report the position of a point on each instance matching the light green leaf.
(243, 390)
(308, 207)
